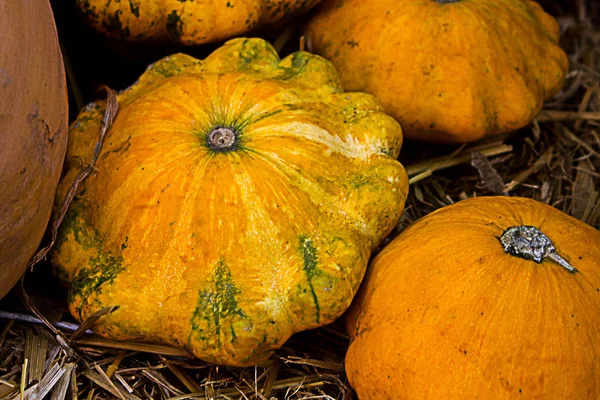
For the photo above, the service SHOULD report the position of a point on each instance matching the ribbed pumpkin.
(457, 307)
(236, 200)
(447, 70)
(188, 22)
(33, 130)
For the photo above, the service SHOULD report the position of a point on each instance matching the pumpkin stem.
(530, 243)
(222, 139)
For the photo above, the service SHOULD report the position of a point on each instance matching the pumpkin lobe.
(222, 139)
(448, 1)
(530, 243)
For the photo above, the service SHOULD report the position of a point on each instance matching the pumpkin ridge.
(348, 146)
(143, 181)
(485, 107)
(313, 190)
(262, 218)
(244, 118)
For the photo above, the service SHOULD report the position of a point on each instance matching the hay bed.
(555, 160)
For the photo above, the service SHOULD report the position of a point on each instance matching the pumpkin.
(447, 70)
(187, 22)
(33, 130)
(236, 201)
(490, 298)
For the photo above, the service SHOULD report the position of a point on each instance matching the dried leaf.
(109, 116)
(91, 320)
(424, 169)
(490, 178)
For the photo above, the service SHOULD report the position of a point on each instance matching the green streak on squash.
(300, 59)
(264, 115)
(113, 23)
(174, 25)
(135, 8)
(75, 223)
(309, 254)
(101, 271)
(255, 56)
(216, 305)
(298, 66)
(165, 69)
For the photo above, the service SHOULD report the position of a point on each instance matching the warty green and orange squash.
(490, 298)
(236, 201)
(448, 71)
(189, 22)
(33, 130)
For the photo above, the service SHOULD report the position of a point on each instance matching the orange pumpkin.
(448, 71)
(457, 307)
(236, 201)
(186, 22)
(33, 130)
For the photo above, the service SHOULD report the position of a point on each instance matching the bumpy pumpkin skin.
(447, 71)
(445, 313)
(227, 253)
(188, 22)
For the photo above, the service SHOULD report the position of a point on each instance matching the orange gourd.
(458, 307)
(188, 22)
(236, 201)
(448, 71)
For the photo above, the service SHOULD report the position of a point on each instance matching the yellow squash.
(447, 70)
(236, 201)
(464, 305)
(190, 22)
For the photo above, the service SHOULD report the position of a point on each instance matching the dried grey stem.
(530, 243)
